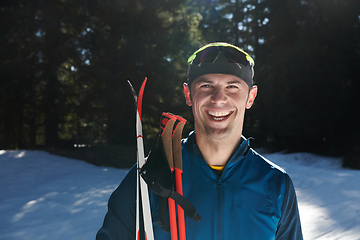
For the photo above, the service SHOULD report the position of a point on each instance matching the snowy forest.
(64, 66)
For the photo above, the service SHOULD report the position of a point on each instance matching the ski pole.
(167, 122)
(177, 132)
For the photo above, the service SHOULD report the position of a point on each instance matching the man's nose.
(218, 96)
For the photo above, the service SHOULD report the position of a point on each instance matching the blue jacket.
(252, 199)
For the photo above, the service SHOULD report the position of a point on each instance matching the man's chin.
(218, 134)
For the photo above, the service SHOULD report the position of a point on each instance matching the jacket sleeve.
(289, 226)
(119, 222)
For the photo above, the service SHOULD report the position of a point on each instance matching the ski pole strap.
(157, 174)
(163, 208)
(189, 209)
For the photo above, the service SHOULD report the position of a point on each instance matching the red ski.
(142, 187)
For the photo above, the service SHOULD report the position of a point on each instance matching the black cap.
(221, 58)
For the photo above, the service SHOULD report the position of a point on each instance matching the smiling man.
(218, 103)
(238, 193)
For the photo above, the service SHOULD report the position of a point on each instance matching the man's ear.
(187, 94)
(252, 96)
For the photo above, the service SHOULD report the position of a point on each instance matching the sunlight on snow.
(314, 219)
(20, 154)
(68, 198)
(28, 207)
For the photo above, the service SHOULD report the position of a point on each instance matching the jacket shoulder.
(266, 162)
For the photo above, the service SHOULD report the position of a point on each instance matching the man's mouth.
(218, 116)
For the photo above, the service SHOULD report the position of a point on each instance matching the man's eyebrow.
(234, 82)
(201, 80)
(231, 81)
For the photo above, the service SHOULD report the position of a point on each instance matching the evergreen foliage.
(64, 66)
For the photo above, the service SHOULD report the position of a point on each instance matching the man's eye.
(233, 86)
(205, 86)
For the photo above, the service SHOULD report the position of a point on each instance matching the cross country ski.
(142, 188)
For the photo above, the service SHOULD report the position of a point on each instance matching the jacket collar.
(240, 153)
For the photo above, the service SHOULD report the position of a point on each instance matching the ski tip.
(143, 86)
(140, 98)
(131, 86)
(133, 92)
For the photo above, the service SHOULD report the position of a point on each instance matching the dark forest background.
(64, 66)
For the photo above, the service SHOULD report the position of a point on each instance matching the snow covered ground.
(43, 196)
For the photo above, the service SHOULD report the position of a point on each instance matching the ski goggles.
(221, 58)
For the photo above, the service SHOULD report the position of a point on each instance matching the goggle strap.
(248, 57)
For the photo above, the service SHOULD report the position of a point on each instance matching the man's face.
(218, 104)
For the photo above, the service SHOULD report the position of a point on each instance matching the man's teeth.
(218, 115)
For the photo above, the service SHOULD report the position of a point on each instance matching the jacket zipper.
(219, 228)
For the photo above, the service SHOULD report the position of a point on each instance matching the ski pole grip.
(167, 122)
